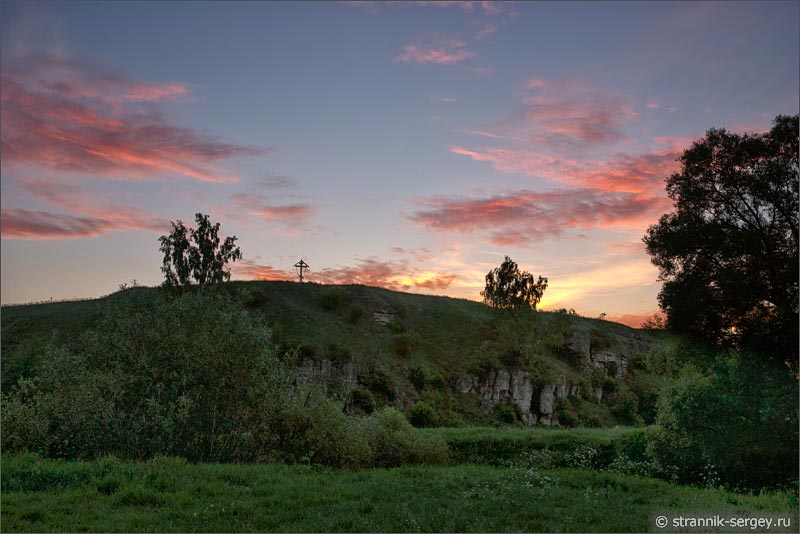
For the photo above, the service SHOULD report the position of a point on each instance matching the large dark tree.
(196, 254)
(728, 253)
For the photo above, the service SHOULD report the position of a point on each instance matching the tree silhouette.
(195, 254)
(728, 253)
(507, 287)
(515, 295)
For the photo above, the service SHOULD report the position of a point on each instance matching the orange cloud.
(394, 275)
(256, 206)
(518, 217)
(90, 216)
(252, 270)
(623, 172)
(74, 117)
(440, 51)
(575, 113)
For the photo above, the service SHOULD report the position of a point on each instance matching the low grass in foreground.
(168, 495)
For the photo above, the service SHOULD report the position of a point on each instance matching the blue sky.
(409, 144)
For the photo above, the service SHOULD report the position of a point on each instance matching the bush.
(357, 311)
(422, 415)
(361, 400)
(308, 427)
(574, 411)
(624, 405)
(508, 413)
(181, 376)
(338, 354)
(403, 344)
(395, 442)
(738, 417)
(334, 298)
(380, 384)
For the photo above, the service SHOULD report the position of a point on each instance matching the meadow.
(171, 495)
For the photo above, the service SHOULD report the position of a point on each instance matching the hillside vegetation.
(355, 377)
(395, 348)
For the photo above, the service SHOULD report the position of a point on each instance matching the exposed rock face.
(538, 403)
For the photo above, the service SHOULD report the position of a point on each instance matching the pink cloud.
(74, 117)
(486, 32)
(20, 223)
(256, 206)
(250, 269)
(440, 51)
(90, 215)
(623, 172)
(520, 216)
(575, 113)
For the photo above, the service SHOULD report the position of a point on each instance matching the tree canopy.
(196, 254)
(728, 253)
(509, 288)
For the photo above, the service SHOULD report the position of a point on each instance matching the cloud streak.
(519, 217)
(81, 118)
(256, 206)
(89, 216)
(437, 51)
(575, 113)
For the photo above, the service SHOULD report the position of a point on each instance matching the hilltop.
(384, 347)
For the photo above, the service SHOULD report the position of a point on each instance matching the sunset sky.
(409, 145)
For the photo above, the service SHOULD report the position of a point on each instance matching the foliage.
(508, 413)
(334, 298)
(308, 427)
(739, 416)
(361, 400)
(422, 415)
(196, 254)
(507, 287)
(395, 442)
(183, 376)
(728, 254)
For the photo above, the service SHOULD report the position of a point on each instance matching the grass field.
(169, 495)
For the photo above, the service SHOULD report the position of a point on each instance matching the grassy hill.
(405, 341)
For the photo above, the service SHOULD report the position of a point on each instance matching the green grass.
(169, 495)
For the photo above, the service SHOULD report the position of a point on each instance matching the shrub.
(452, 419)
(738, 416)
(508, 413)
(395, 442)
(361, 400)
(404, 344)
(308, 427)
(338, 354)
(380, 384)
(624, 405)
(334, 298)
(512, 359)
(357, 311)
(183, 376)
(423, 415)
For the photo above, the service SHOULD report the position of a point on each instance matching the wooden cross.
(299, 266)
